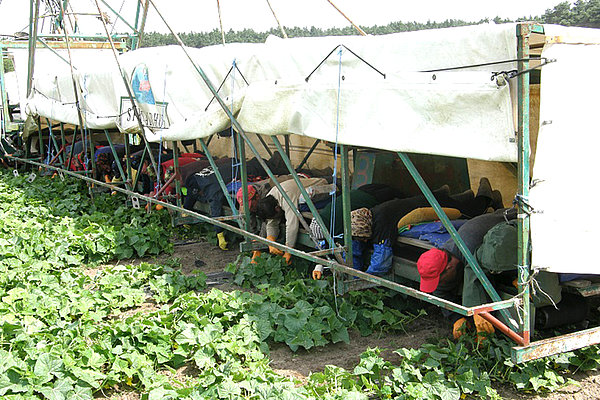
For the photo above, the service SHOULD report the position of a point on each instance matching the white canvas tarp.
(461, 113)
(54, 96)
(565, 226)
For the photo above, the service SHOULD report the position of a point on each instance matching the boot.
(357, 254)
(381, 259)
(483, 327)
(222, 241)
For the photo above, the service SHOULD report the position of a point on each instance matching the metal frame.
(518, 331)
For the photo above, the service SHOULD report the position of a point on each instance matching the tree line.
(582, 13)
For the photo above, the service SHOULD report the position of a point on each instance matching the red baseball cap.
(431, 264)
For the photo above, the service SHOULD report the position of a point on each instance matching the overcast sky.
(202, 15)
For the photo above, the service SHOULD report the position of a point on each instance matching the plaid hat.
(252, 197)
(431, 264)
(360, 221)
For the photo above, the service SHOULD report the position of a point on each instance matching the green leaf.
(47, 366)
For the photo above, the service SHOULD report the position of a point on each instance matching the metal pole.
(244, 173)
(310, 151)
(348, 19)
(117, 159)
(128, 161)
(262, 141)
(523, 32)
(221, 22)
(134, 39)
(53, 139)
(4, 112)
(346, 205)
(277, 19)
(305, 194)
(142, 25)
(34, 12)
(177, 172)
(40, 139)
(219, 179)
(139, 169)
(117, 15)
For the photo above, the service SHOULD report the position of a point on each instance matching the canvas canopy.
(565, 225)
(371, 92)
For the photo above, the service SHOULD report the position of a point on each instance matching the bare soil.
(208, 258)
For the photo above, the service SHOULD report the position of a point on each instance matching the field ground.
(208, 258)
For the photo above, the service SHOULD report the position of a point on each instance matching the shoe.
(497, 202)
(485, 188)
(222, 242)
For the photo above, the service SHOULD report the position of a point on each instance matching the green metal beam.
(309, 153)
(244, 173)
(4, 98)
(119, 17)
(222, 183)
(491, 291)
(34, 12)
(305, 194)
(556, 345)
(117, 160)
(139, 170)
(524, 271)
(346, 205)
(53, 139)
(177, 172)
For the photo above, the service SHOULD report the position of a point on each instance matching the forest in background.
(582, 13)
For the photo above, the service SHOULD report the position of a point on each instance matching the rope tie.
(523, 203)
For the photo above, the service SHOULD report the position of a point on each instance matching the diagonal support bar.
(307, 198)
(491, 291)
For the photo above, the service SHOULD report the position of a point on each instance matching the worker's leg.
(473, 295)
(358, 247)
(215, 197)
(381, 259)
(193, 192)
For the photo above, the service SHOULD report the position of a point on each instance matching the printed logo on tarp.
(153, 114)
(141, 85)
(158, 119)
